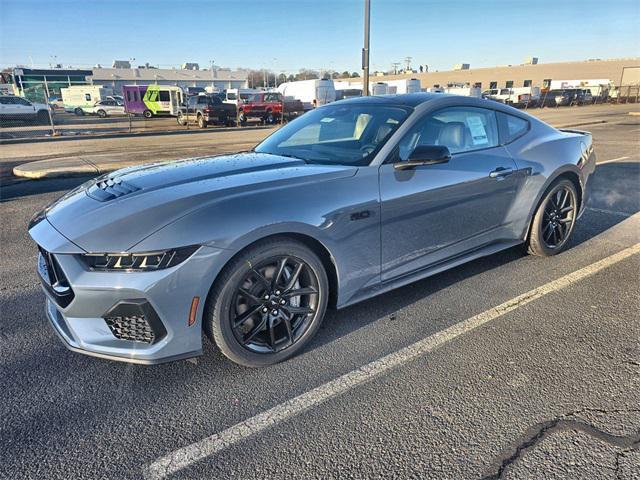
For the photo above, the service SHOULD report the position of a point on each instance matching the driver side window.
(460, 129)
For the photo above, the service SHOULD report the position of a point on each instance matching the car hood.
(116, 211)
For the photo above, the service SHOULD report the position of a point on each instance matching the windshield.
(341, 134)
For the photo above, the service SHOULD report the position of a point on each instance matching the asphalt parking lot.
(547, 385)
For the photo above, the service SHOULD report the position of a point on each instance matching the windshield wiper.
(288, 155)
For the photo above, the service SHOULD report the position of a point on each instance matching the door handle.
(501, 172)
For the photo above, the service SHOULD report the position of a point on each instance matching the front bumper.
(160, 301)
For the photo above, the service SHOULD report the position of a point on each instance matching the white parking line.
(610, 212)
(611, 161)
(187, 456)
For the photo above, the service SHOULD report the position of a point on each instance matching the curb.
(62, 138)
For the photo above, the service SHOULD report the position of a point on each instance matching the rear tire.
(181, 119)
(78, 111)
(247, 284)
(202, 123)
(102, 113)
(147, 114)
(554, 221)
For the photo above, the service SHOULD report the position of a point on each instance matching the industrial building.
(217, 78)
(530, 74)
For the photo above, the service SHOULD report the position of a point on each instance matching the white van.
(312, 93)
(77, 97)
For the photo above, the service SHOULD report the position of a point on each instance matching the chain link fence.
(22, 118)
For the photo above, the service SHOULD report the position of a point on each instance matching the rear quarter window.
(512, 127)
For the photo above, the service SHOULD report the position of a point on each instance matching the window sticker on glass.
(478, 132)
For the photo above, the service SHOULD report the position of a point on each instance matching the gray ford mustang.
(349, 201)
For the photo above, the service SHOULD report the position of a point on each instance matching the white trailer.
(312, 93)
(464, 91)
(407, 85)
(77, 97)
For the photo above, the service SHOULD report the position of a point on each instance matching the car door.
(432, 213)
(24, 109)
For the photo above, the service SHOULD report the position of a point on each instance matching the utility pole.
(408, 61)
(395, 66)
(365, 50)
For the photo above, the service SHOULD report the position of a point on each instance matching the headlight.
(138, 262)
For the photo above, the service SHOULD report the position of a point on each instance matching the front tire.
(267, 303)
(102, 113)
(147, 114)
(554, 220)
(78, 111)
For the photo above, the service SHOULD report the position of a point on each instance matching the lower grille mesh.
(133, 327)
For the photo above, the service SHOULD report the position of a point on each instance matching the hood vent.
(110, 189)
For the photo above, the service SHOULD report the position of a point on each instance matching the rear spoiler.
(579, 132)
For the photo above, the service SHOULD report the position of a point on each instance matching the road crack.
(540, 431)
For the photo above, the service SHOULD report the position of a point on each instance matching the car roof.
(405, 99)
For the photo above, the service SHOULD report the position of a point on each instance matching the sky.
(287, 35)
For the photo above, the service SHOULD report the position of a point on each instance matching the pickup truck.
(507, 96)
(206, 110)
(267, 106)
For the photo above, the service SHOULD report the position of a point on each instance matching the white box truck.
(312, 93)
(77, 97)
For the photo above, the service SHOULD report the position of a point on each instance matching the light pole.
(365, 50)
(212, 87)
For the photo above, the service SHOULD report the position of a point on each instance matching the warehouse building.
(219, 78)
(540, 74)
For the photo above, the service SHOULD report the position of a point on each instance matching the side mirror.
(425, 155)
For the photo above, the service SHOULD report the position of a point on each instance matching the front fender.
(343, 215)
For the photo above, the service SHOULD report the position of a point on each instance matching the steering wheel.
(368, 149)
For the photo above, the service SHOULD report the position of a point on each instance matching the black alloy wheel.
(559, 213)
(554, 221)
(275, 303)
(267, 303)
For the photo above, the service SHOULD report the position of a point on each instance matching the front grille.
(110, 188)
(53, 278)
(135, 328)
(134, 320)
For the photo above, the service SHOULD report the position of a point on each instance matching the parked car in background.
(105, 108)
(207, 110)
(558, 98)
(267, 106)
(312, 93)
(14, 108)
(587, 97)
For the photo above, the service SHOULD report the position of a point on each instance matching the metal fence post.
(51, 122)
